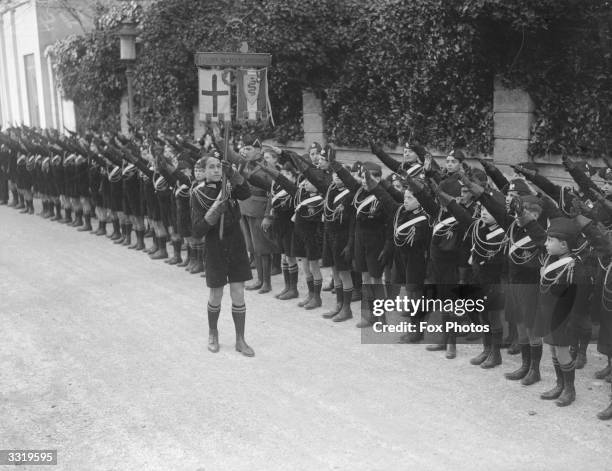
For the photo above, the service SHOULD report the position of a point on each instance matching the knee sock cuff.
(571, 366)
(212, 308)
(239, 308)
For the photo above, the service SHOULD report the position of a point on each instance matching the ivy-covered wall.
(390, 69)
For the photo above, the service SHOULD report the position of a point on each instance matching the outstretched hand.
(228, 169)
(568, 163)
(523, 170)
(474, 187)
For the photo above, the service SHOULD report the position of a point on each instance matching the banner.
(214, 96)
(253, 102)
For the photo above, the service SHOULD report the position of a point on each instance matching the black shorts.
(83, 186)
(226, 260)
(142, 185)
(411, 265)
(283, 229)
(152, 203)
(106, 193)
(183, 217)
(165, 210)
(131, 191)
(116, 194)
(368, 246)
(334, 242)
(306, 242)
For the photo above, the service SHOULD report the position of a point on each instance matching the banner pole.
(224, 176)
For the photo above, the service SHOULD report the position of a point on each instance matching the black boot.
(581, 356)
(339, 303)
(101, 228)
(116, 230)
(31, 206)
(533, 375)
(345, 312)
(287, 282)
(266, 267)
(482, 356)
(292, 292)
(412, 337)
(87, 225)
(140, 243)
(494, 359)
(357, 285)
(58, 212)
(161, 252)
(276, 264)
(555, 392)
(451, 346)
(187, 259)
(193, 257)
(68, 216)
(315, 300)
(569, 393)
(78, 221)
(128, 234)
(524, 368)
(213, 332)
(605, 372)
(176, 256)
(151, 250)
(198, 262)
(310, 284)
(138, 233)
(123, 235)
(239, 316)
(606, 414)
(367, 318)
(512, 335)
(258, 283)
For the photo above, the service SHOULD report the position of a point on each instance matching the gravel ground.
(103, 357)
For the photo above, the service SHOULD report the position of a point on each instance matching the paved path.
(103, 357)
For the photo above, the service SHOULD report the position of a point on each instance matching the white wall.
(27, 28)
(19, 38)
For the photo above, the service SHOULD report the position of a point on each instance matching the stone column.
(512, 119)
(313, 118)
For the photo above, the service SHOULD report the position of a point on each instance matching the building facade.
(28, 91)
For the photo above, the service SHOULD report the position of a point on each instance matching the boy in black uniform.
(486, 259)
(564, 289)
(227, 260)
(521, 299)
(411, 237)
(338, 217)
(370, 235)
(281, 212)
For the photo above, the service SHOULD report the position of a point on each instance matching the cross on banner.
(214, 96)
